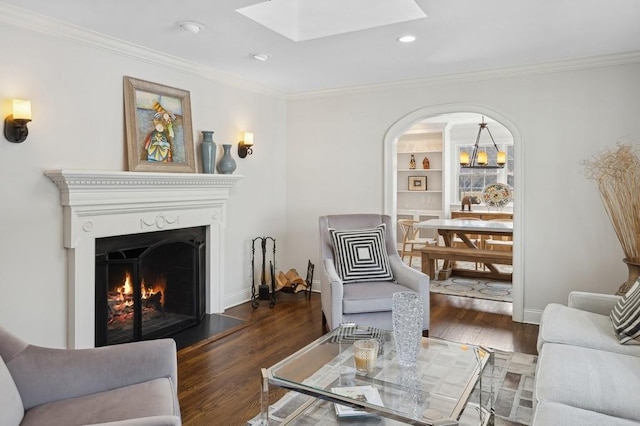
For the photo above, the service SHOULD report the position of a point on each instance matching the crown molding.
(46, 25)
(490, 74)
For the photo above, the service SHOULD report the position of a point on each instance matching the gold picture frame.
(158, 127)
(417, 183)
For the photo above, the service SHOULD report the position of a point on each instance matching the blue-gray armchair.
(132, 384)
(362, 301)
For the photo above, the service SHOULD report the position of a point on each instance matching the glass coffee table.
(436, 391)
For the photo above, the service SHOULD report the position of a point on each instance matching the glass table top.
(438, 387)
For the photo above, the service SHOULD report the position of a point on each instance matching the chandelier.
(479, 158)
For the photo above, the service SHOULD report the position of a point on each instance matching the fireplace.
(149, 285)
(99, 205)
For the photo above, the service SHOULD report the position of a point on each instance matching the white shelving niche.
(420, 204)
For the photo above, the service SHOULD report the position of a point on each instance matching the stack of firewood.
(290, 282)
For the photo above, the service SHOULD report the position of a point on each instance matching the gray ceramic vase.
(208, 149)
(227, 164)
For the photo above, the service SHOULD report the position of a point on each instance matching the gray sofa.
(130, 384)
(584, 375)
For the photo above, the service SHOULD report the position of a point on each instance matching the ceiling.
(457, 36)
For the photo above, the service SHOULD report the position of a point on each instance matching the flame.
(121, 301)
(125, 290)
(158, 287)
(146, 291)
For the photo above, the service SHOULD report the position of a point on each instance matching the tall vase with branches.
(617, 174)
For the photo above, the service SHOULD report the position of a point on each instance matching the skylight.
(301, 20)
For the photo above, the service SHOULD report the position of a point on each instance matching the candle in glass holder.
(365, 353)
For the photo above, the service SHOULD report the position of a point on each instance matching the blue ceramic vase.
(227, 164)
(208, 149)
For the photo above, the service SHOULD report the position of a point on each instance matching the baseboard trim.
(532, 316)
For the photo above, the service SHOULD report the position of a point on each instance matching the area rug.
(513, 380)
(478, 288)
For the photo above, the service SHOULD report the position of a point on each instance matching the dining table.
(448, 229)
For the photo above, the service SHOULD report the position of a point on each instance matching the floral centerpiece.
(617, 174)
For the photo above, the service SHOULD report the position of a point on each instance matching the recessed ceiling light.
(264, 57)
(191, 26)
(407, 39)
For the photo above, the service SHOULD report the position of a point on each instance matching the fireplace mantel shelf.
(67, 180)
(98, 204)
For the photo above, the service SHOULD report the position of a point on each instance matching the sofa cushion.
(551, 413)
(361, 254)
(11, 408)
(590, 379)
(376, 296)
(110, 406)
(561, 324)
(625, 316)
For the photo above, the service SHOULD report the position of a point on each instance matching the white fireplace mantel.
(101, 204)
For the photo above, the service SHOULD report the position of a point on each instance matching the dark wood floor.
(219, 382)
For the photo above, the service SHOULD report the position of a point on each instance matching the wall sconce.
(15, 125)
(245, 145)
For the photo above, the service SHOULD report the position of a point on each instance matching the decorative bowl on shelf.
(496, 195)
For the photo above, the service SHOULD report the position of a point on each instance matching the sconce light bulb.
(21, 110)
(248, 138)
(245, 146)
(15, 125)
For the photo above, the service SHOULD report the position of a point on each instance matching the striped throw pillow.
(361, 254)
(625, 316)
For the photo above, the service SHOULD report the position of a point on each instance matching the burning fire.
(125, 292)
(121, 299)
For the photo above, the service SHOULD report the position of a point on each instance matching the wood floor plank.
(219, 382)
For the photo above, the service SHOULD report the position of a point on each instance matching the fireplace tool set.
(264, 292)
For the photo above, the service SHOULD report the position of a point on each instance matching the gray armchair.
(133, 384)
(367, 303)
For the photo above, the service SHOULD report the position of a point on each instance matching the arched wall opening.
(397, 129)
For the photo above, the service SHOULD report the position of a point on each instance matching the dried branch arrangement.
(617, 174)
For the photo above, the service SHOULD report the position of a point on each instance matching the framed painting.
(158, 127)
(417, 183)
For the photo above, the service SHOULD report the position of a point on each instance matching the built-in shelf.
(420, 152)
(425, 204)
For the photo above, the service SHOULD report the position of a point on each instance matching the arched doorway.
(391, 138)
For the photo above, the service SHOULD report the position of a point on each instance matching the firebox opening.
(149, 285)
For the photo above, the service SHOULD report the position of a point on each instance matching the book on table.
(367, 394)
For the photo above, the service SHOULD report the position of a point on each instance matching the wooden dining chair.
(411, 242)
(499, 242)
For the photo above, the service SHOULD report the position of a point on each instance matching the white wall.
(314, 155)
(76, 92)
(335, 163)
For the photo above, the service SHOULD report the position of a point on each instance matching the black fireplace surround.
(149, 285)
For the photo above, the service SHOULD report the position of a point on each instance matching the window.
(474, 180)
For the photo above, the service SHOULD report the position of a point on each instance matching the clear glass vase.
(407, 313)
